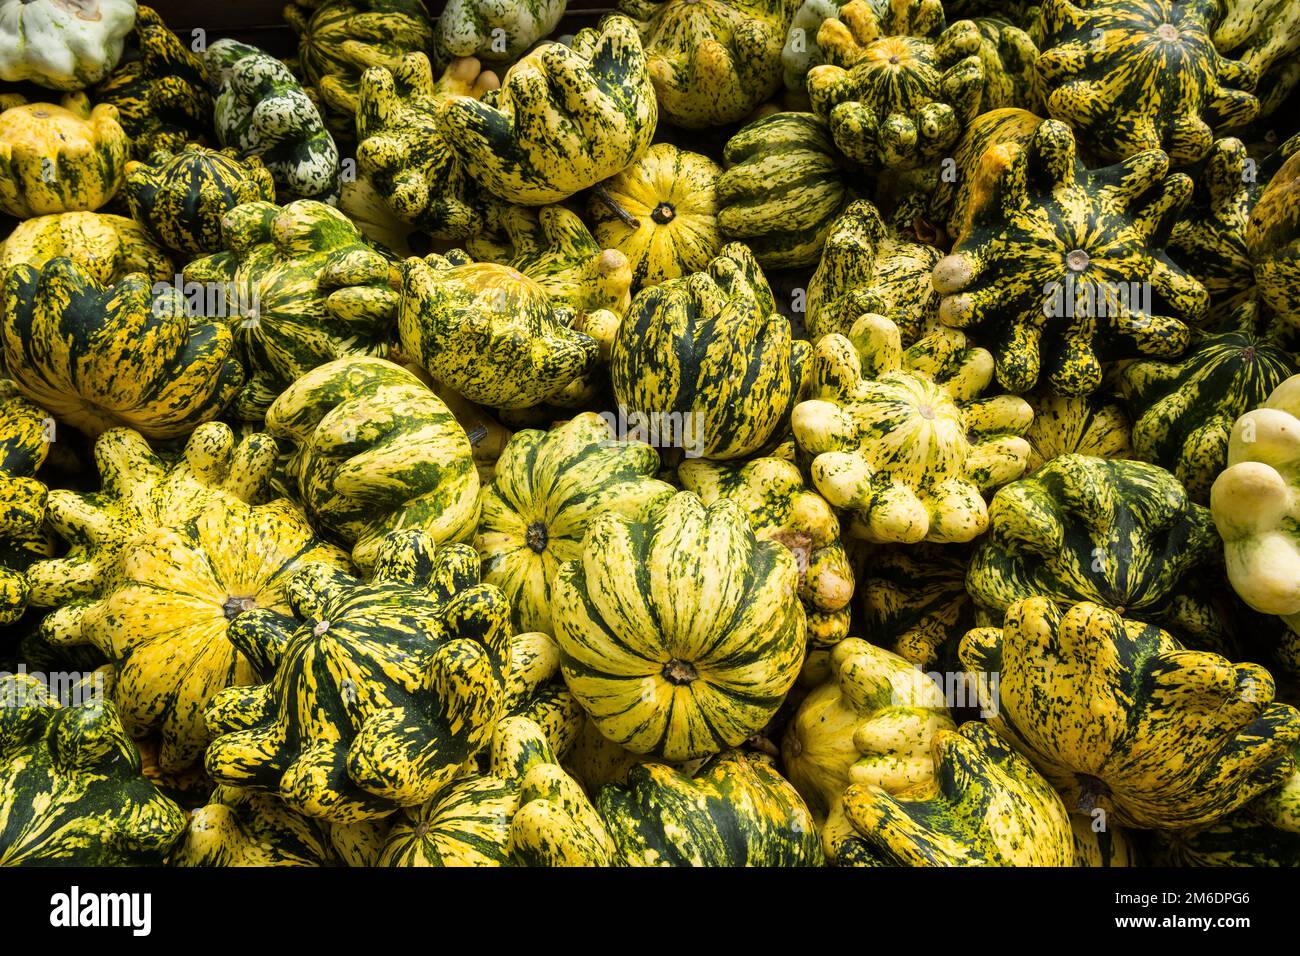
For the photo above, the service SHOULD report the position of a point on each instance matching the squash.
(549, 488)
(1184, 411)
(71, 790)
(534, 690)
(160, 90)
(63, 46)
(493, 30)
(238, 827)
(63, 158)
(1097, 844)
(487, 435)
(301, 287)
(735, 810)
(985, 806)
(866, 267)
(1209, 236)
(67, 337)
(405, 149)
(556, 824)
(1141, 76)
(902, 439)
(801, 52)
(107, 248)
(182, 197)
(260, 110)
(1007, 55)
(959, 185)
(1128, 721)
(914, 603)
(1273, 241)
(466, 824)
(380, 691)
(712, 61)
(360, 201)
(1264, 36)
(1095, 426)
(374, 451)
(707, 361)
(784, 184)
(25, 437)
(871, 721)
(661, 213)
(565, 118)
(489, 332)
(1052, 295)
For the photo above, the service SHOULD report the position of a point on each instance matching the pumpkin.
(735, 810)
(160, 90)
(801, 52)
(902, 439)
(181, 197)
(959, 184)
(1126, 719)
(1051, 294)
(67, 337)
(1095, 426)
(1263, 36)
(1142, 76)
(1273, 241)
(301, 287)
(59, 158)
(260, 110)
(1209, 236)
(681, 634)
(565, 118)
(63, 46)
(107, 248)
(381, 691)
(549, 488)
(489, 332)
(984, 806)
(784, 184)
(72, 792)
(25, 437)
(708, 358)
(374, 451)
(914, 603)
(493, 30)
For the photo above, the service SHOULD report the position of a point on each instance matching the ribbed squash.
(182, 197)
(566, 117)
(902, 439)
(495, 30)
(1142, 75)
(25, 439)
(1094, 426)
(534, 690)
(466, 824)
(301, 287)
(107, 248)
(549, 488)
(1007, 54)
(64, 46)
(784, 184)
(262, 111)
(680, 635)
(1209, 236)
(59, 158)
(801, 52)
(1098, 844)
(1061, 268)
(1265, 832)
(375, 451)
(380, 692)
(1127, 720)
(914, 602)
(960, 185)
(67, 338)
(1263, 35)
(710, 352)
(735, 810)
(985, 806)
(238, 827)
(71, 790)
(1273, 241)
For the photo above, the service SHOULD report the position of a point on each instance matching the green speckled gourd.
(959, 183)
(61, 45)
(182, 197)
(1209, 236)
(1061, 268)
(73, 793)
(381, 691)
(985, 806)
(566, 117)
(707, 356)
(375, 451)
(238, 828)
(1141, 75)
(681, 634)
(784, 184)
(914, 603)
(1096, 426)
(1184, 411)
(1129, 721)
(465, 824)
(735, 810)
(1273, 241)
(534, 690)
(549, 487)
(260, 110)
(801, 52)
(1263, 35)
(67, 339)
(107, 248)
(25, 437)
(901, 439)
(499, 31)
(1007, 55)
(1122, 534)
(361, 202)
(866, 267)
(300, 286)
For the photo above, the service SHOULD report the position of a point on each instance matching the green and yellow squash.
(1007, 54)
(1273, 241)
(25, 437)
(245, 828)
(1209, 237)
(62, 45)
(1098, 844)
(498, 31)
(1263, 35)
(914, 603)
(801, 52)
(466, 824)
(1096, 426)
(107, 248)
(360, 201)
(959, 183)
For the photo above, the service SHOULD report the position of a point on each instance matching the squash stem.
(601, 193)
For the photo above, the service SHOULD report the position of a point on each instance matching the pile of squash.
(740, 432)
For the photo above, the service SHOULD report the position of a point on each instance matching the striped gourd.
(1061, 268)
(680, 635)
(901, 439)
(466, 824)
(1273, 241)
(914, 603)
(493, 30)
(1263, 35)
(1122, 698)
(1096, 426)
(63, 46)
(380, 691)
(956, 191)
(1142, 75)
(238, 827)
(107, 248)
(565, 118)
(63, 158)
(1209, 237)
(25, 437)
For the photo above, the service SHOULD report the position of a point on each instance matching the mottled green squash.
(1263, 35)
(107, 248)
(1098, 844)
(25, 437)
(801, 52)
(1095, 426)
(1273, 241)
(238, 828)
(1209, 236)
(360, 201)
(959, 183)
(1007, 55)
(914, 603)
(61, 45)
(495, 30)
(466, 824)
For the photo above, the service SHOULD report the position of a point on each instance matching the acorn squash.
(107, 248)
(1095, 426)
(914, 603)
(498, 31)
(25, 437)
(61, 45)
